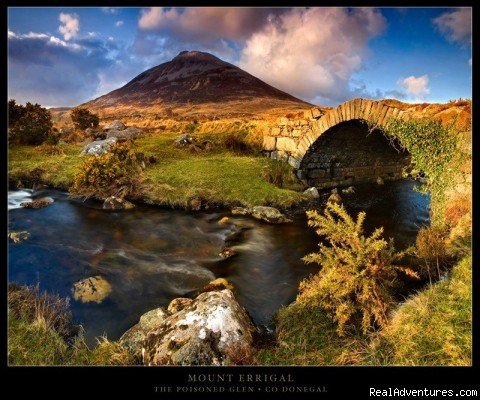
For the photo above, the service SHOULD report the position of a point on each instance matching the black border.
(140, 382)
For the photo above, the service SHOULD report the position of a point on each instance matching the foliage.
(30, 124)
(50, 150)
(279, 173)
(237, 142)
(431, 252)
(357, 271)
(118, 172)
(82, 118)
(434, 327)
(191, 127)
(434, 150)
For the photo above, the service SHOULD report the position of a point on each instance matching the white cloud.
(456, 25)
(118, 23)
(415, 87)
(470, 61)
(110, 10)
(70, 25)
(312, 53)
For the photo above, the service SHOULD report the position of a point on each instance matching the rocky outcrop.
(312, 193)
(269, 214)
(93, 289)
(99, 147)
(178, 304)
(213, 330)
(38, 203)
(18, 237)
(135, 336)
(116, 125)
(183, 140)
(117, 203)
(130, 133)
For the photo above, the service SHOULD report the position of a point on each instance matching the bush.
(279, 173)
(237, 143)
(83, 118)
(117, 172)
(50, 150)
(431, 250)
(357, 272)
(30, 124)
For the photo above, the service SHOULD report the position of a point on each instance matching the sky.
(66, 56)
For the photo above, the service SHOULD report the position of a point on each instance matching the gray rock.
(134, 337)
(240, 211)
(38, 203)
(213, 330)
(116, 125)
(99, 147)
(312, 192)
(184, 140)
(269, 214)
(129, 133)
(117, 203)
(18, 237)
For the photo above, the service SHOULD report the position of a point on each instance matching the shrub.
(50, 150)
(30, 124)
(431, 250)
(357, 271)
(83, 118)
(117, 172)
(278, 173)
(237, 143)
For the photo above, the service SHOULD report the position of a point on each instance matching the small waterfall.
(15, 198)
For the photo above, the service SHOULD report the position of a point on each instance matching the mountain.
(195, 82)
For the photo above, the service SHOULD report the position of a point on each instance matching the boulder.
(117, 203)
(349, 190)
(178, 304)
(217, 284)
(224, 221)
(213, 330)
(37, 203)
(184, 140)
(240, 211)
(93, 289)
(134, 337)
(115, 125)
(99, 147)
(130, 133)
(312, 192)
(269, 214)
(18, 237)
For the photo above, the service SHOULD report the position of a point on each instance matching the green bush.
(117, 172)
(83, 118)
(30, 124)
(357, 271)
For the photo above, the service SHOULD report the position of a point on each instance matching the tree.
(83, 118)
(30, 124)
(357, 271)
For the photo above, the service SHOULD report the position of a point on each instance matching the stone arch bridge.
(342, 146)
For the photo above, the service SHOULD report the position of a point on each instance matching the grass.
(41, 332)
(219, 176)
(433, 327)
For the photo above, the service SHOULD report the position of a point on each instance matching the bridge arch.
(298, 141)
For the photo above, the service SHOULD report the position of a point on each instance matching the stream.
(151, 255)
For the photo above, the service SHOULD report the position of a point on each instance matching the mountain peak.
(196, 55)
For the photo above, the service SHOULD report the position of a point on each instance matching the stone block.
(296, 132)
(294, 162)
(286, 144)
(275, 131)
(316, 113)
(317, 173)
(282, 121)
(269, 143)
(307, 114)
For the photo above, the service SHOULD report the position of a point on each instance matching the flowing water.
(151, 255)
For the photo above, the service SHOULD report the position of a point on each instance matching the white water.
(15, 198)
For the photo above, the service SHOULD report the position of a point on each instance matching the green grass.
(219, 177)
(433, 327)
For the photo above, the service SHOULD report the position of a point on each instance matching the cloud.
(470, 61)
(51, 71)
(70, 25)
(118, 23)
(396, 94)
(110, 10)
(205, 23)
(456, 25)
(312, 53)
(416, 87)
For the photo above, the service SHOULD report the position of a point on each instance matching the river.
(151, 255)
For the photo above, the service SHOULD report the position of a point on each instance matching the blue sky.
(66, 56)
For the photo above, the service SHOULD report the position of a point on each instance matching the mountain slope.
(197, 82)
